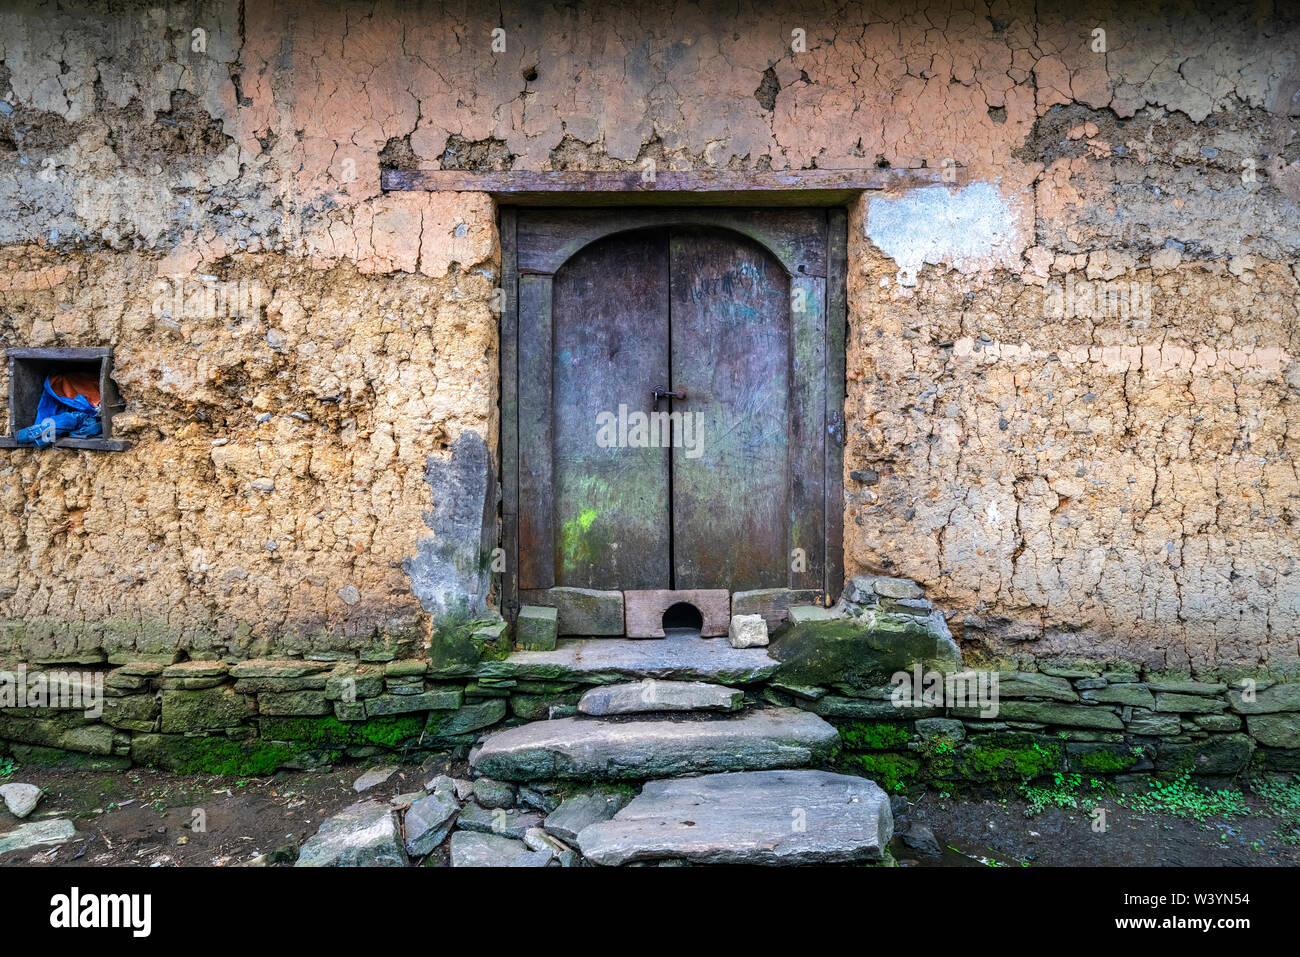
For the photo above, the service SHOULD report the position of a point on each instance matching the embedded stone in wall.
(209, 710)
(1051, 712)
(194, 675)
(1280, 730)
(68, 731)
(459, 644)
(1153, 723)
(1282, 697)
(1028, 684)
(447, 700)
(450, 574)
(1217, 754)
(1129, 694)
(802, 614)
(464, 720)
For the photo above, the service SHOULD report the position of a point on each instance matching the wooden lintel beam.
(528, 184)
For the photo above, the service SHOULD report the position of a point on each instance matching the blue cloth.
(56, 416)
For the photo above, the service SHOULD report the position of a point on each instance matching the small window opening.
(62, 398)
(683, 616)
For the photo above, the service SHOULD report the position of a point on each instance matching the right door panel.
(731, 354)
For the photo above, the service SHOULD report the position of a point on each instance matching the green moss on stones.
(389, 731)
(873, 735)
(998, 757)
(863, 651)
(1106, 762)
(891, 771)
(211, 755)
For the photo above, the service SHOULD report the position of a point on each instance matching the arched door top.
(550, 238)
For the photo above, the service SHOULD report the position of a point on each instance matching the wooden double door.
(673, 394)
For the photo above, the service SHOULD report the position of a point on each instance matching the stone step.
(650, 696)
(639, 749)
(677, 657)
(754, 817)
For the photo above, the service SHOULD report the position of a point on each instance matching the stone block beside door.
(645, 610)
(583, 612)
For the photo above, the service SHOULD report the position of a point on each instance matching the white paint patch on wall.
(970, 229)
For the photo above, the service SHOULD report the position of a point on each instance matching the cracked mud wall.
(1101, 485)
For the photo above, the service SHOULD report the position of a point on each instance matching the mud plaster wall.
(1106, 486)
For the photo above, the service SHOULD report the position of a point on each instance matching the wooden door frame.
(515, 417)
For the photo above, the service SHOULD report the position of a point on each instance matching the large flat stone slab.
(756, 817)
(589, 748)
(653, 695)
(608, 660)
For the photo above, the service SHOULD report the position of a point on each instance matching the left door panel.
(608, 352)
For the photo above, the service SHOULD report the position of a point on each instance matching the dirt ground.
(995, 832)
(148, 818)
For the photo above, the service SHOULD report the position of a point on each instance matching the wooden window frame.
(24, 391)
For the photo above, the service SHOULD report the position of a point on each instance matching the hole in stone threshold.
(683, 616)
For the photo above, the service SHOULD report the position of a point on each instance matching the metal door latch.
(665, 394)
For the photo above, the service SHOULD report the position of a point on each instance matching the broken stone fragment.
(536, 628)
(747, 631)
(493, 794)
(474, 849)
(429, 820)
(363, 835)
(507, 822)
(584, 808)
(373, 778)
(543, 843)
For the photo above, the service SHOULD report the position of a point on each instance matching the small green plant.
(7, 767)
(1282, 803)
(1063, 792)
(1181, 798)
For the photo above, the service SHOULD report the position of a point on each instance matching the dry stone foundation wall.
(1068, 716)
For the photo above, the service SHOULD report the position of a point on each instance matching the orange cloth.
(72, 384)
